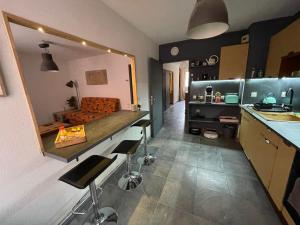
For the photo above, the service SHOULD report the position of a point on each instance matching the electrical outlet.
(253, 94)
(283, 94)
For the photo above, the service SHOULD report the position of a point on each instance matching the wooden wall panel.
(233, 61)
(281, 44)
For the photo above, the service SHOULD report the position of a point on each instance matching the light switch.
(253, 94)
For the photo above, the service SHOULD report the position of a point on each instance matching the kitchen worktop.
(289, 131)
(96, 132)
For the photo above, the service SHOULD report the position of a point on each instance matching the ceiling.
(27, 41)
(166, 21)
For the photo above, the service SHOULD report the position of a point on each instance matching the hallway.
(191, 184)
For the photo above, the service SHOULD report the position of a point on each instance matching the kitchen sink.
(282, 117)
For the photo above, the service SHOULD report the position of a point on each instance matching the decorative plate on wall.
(174, 51)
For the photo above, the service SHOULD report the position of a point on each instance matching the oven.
(292, 195)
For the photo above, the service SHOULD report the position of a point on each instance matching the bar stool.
(83, 175)
(131, 179)
(147, 159)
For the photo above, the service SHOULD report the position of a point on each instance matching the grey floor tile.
(216, 181)
(165, 215)
(178, 195)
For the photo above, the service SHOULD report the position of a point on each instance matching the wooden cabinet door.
(281, 171)
(233, 61)
(264, 158)
(244, 132)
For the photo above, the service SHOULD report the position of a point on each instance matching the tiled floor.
(193, 182)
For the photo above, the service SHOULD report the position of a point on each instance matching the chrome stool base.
(129, 182)
(107, 216)
(146, 160)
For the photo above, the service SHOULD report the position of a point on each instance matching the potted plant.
(72, 102)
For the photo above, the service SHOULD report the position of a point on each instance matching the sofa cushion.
(98, 104)
(84, 117)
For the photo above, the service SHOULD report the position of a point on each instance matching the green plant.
(72, 102)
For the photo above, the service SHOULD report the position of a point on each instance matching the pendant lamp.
(48, 63)
(209, 19)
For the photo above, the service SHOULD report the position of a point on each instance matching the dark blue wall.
(199, 49)
(259, 39)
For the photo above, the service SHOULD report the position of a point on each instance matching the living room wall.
(117, 75)
(47, 90)
(30, 192)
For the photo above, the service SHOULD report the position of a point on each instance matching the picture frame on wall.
(2, 87)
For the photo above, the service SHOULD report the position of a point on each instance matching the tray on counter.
(70, 136)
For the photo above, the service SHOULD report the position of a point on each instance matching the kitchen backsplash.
(272, 86)
(222, 86)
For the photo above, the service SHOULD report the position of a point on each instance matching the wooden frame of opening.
(10, 18)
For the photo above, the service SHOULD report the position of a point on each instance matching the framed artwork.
(2, 87)
(96, 77)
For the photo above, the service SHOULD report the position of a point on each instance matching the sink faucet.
(290, 92)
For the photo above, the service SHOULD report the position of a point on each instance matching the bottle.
(253, 72)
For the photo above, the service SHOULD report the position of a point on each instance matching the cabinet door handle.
(267, 141)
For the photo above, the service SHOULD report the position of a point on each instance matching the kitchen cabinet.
(281, 44)
(249, 133)
(287, 217)
(233, 61)
(271, 157)
(281, 170)
(264, 158)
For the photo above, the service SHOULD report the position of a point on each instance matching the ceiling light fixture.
(209, 19)
(125, 55)
(40, 29)
(83, 43)
(108, 50)
(48, 63)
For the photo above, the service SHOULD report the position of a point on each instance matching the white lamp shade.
(209, 19)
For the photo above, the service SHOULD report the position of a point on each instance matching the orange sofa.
(93, 108)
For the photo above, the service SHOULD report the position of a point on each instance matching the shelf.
(213, 104)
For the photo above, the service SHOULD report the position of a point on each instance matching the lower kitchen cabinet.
(271, 157)
(281, 170)
(264, 158)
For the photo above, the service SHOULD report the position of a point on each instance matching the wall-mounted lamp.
(71, 84)
(48, 63)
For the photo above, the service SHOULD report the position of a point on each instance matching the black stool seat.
(142, 123)
(87, 171)
(127, 147)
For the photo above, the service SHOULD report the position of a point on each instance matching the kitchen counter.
(289, 131)
(96, 132)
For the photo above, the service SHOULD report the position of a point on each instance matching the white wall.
(47, 90)
(30, 192)
(117, 74)
(174, 67)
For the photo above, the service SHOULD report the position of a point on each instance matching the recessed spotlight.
(83, 43)
(125, 55)
(108, 50)
(40, 29)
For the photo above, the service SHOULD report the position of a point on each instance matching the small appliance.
(209, 94)
(231, 98)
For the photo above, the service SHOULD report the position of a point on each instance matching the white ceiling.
(166, 21)
(27, 41)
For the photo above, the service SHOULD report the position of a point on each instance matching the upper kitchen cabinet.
(233, 61)
(283, 57)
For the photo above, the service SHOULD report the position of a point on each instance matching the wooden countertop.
(97, 131)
